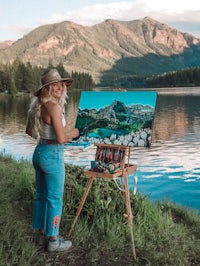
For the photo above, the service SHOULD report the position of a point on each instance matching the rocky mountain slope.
(5, 44)
(109, 50)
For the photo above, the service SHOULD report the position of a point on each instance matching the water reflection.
(175, 116)
(169, 169)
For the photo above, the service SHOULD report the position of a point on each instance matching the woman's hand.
(74, 133)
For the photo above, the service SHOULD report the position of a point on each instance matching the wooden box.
(107, 156)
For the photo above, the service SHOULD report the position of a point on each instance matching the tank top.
(47, 131)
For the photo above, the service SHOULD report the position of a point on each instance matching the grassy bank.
(164, 233)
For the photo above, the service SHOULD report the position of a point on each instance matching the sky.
(106, 98)
(19, 17)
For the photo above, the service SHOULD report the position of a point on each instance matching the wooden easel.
(123, 153)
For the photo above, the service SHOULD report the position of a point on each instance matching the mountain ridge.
(110, 50)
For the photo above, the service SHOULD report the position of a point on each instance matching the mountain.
(5, 44)
(108, 51)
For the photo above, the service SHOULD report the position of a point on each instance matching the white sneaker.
(59, 245)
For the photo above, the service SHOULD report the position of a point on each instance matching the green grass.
(165, 234)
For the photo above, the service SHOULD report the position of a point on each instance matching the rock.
(141, 143)
(131, 144)
(112, 137)
(143, 135)
(125, 142)
(128, 137)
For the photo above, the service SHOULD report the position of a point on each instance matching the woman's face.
(57, 89)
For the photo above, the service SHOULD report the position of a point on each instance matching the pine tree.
(13, 88)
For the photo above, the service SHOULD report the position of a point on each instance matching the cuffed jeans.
(48, 161)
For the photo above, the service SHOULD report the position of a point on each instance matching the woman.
(46, 123)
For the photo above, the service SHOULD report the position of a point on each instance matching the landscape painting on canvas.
(122, 118)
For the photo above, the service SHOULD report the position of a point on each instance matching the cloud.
(177, 6)
(185, 15)
(93, 14)
(19, 30)
(180, 14)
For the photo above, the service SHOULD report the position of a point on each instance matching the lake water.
(169, 169)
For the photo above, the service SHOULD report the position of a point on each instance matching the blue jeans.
(48, 161)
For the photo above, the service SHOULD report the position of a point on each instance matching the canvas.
(121, 118)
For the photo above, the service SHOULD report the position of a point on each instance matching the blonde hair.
(34, 112)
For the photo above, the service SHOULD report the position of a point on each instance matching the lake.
(170, 169)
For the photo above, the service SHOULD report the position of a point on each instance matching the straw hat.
(52, 76)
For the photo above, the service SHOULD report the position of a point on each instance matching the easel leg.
(129, 212)
(81, 203)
